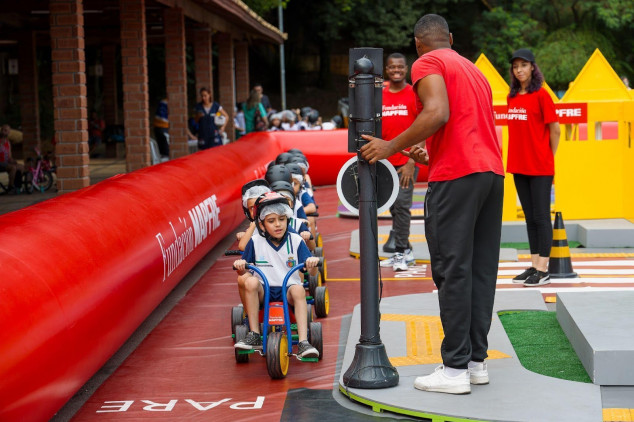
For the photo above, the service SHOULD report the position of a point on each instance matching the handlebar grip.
(313, 214)
(233, 252)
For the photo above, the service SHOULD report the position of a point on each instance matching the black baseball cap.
(523, 53)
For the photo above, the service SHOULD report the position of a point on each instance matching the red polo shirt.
(529, 134)
(467, 143)
(399, 112)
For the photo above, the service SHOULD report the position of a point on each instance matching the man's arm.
(433, 94)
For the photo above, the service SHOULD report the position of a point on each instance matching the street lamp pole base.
(370, 368)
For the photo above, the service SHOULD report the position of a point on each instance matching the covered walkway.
(98, 56)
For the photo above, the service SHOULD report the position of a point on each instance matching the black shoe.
(538, 278)
(252, 341)
(390, 245)
(522, 277)
(306, 350)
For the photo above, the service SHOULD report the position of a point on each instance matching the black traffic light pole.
(370, 367)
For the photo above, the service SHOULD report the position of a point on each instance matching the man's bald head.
(432, 29)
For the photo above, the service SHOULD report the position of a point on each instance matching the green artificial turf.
(542, 346)
(524, 245)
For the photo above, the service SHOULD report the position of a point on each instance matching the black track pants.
(534, 194)
(463, 223)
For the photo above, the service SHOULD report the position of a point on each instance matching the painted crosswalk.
(594, 274)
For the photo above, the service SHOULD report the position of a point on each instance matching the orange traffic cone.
(560, 265)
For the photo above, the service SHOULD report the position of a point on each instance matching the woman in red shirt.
(533, 140)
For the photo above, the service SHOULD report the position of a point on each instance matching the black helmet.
(245, 189)
(301, 161)
(278, 172)
(305, 111)
(283, 158)
(313, 116)
(294, 168)
(270, 198)
(282, 186)
(338, 121)
(295, 151)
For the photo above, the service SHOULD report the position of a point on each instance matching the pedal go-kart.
(279, 330)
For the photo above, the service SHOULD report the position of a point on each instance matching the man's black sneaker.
(306, 350)
(522, 277)
(537, 279)
(250, 342)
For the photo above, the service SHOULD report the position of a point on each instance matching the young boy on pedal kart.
(275, 251)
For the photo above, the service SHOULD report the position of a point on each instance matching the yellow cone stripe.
(614, 415)
(559, 234)
(560, 252)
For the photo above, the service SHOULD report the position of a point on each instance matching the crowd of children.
(280, 235)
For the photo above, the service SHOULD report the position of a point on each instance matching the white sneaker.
(389, 262)
(441, 383)
(399, 263)
(409, 257)
(478, 374)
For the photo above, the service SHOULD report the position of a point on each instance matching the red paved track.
(189, 356)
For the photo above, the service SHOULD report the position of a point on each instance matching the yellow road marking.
(424, 335)
(614, 415)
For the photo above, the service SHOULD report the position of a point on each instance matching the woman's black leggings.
(534, 193)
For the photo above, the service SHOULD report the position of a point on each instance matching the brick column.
(69, 94)
(29, 98)
(110, 92)
(242, 71)
(226, 78)
(202, 57)
(176, 79)
(136, 118)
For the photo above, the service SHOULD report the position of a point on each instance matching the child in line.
(299, 222)
(277, 249)
(250, 192)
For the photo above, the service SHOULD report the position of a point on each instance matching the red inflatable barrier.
(326, 151)
(82, 271)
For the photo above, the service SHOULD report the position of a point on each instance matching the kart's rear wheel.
(314, 281)
(322, 302)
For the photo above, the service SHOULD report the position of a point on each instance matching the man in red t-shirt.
(463, 204)
(399, 111)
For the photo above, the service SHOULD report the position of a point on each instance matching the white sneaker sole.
(246, 347)
(479, 379)
(541, 283)
(404, 268)
(449, 389)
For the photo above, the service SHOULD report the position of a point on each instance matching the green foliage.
(562, 33)
(562, 54)
(261, 7)
(499, 32)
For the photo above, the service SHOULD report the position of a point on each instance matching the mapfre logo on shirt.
(516, 113)
(395, 110)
